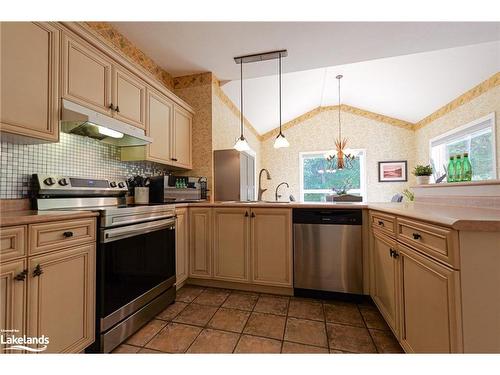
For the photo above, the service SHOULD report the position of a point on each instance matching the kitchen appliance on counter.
(135, 257)
(328, 257)
(170, 189)
(234, 176)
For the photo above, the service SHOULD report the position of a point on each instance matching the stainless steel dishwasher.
(327, 249)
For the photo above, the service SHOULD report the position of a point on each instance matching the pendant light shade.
(241, 143)
(280, 140)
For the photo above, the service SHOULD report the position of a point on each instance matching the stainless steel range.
(135, 268)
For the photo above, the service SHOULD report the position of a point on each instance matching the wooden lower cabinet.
(61, 294)
(430, 304)
(200, 242)
(271, 246)
(181, 246)
(385, 277)
(231, 244)
(13, 297)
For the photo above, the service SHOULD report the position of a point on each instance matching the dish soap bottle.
(450, 173)
(466, 168)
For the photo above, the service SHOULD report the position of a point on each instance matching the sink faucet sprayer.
(276, 196)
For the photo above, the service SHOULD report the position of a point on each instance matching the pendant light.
(341, 159)
(280, 140)
(241, 143)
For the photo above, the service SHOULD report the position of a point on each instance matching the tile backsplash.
(73, 155)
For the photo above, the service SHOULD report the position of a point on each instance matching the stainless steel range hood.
(77, 119)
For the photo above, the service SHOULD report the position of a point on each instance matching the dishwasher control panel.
(327, 216)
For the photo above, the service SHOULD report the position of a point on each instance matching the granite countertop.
(8, 218)
(460, 218)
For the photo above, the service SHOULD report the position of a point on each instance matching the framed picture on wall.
(392, 171)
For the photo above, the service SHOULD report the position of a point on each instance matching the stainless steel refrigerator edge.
(234, 176)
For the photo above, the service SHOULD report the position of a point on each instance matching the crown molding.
(344, 108)
(465, 98)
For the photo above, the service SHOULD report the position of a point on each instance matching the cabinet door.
(12, 298)
(200, 242)
(430, 311)
(384, 288)
(181, 246)
(271, 242)
(129, 98)
(29, 79)
(86, 76)
(182, 138)
(231, 237)
(61, 298)
(159, 125)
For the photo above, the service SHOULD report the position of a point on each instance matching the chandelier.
(339, 159)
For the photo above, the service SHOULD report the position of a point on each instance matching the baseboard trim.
(241, 286)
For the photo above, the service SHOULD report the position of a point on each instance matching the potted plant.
(423, 173)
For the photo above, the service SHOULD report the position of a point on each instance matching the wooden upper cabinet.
(128, 98)
(200, 242)
(430, 308)
(384, 276)
(29, 79)
(13, 297)
(72, 299)
(182, 138)
(231, 244)
(159, 127)
(86, 77)
(271, 241)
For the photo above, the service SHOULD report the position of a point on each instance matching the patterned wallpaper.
(476, 108)
(73, 155)
(381, 141)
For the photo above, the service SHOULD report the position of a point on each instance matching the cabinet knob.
(21, 275)
(68, 234)
(416, 236)
(111, 107)
(381, 223)
(391, 252)
(173, 159)
(37, 271)
(117, 109)
(246, 213)
(253, 214)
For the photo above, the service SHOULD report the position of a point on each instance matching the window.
(477, 138)
(316, 182)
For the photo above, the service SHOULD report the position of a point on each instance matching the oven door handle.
(110, 235)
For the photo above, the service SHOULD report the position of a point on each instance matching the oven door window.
(133, 265)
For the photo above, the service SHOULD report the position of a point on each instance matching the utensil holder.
(141, 195)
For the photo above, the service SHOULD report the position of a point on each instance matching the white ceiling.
(406, 87)
(403, 70)
(193, 47)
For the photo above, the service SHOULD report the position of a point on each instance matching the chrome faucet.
(261, 191)
(276, 196)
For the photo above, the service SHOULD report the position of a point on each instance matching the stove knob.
(63, 182)
(49, 181)
(121, 185)
(112, 184)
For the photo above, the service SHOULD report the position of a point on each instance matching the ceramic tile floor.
(210, 320)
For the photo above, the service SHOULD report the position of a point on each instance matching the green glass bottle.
(450, 174)
(466, 168)
(458, 168)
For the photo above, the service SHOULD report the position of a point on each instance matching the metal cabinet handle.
(416, 236)
(173, 159)
(68, 234)
(246, 213)
(21, 275)
(381, 223)
(395, 254)
(117, 109)
(37, 271)
(253, 214)
(391, 252)
(111, 106)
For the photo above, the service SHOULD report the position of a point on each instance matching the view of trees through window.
(319, 180)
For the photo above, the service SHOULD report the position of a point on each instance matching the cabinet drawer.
(383, 222)
(438, 242)
(13, 242)
(52, 236)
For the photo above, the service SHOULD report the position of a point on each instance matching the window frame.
(362, 170)
(490, 118)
